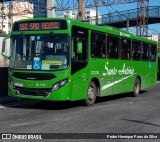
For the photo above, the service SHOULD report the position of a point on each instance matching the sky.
(153, 28)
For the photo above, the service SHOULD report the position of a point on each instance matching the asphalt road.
(116, 114)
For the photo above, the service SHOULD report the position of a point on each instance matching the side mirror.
(6, 48)
(79, 47)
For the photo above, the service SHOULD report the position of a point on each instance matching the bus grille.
(33, 91)
(33, 76)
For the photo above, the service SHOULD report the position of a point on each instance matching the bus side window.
(112, 48)
(103, 47)
(79, 48)
(153, 52)
(145, 51)
(136, 50)
(125, 49)
(98, 45)
(79, 56)
(79, 35)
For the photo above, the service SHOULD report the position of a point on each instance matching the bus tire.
(137, 87)
(91, 94)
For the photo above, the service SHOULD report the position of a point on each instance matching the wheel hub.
(91, 93)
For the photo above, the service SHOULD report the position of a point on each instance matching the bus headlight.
(59, 84)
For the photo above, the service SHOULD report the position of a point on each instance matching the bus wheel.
(137, 87)
(91, 94)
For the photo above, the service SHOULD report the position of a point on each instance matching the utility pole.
(96, 5)
(81, 10)
(142, 18)
(51, 8)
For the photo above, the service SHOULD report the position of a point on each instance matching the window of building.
(9, 24)
(4, 17)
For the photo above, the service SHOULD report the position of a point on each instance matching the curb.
(7, 99)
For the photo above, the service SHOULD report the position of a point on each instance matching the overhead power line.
(62, 5)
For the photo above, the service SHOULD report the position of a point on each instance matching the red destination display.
(40, 25)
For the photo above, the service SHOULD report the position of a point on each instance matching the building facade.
(69, 14)
(90, 15)
(13, 12)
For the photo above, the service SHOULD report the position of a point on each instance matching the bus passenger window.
(153, 52)
(79, 48)
(136, 50)
(98, 45)
(79, 56)
(125, 49)
(103, 48)
(145, 52)
(112, 48)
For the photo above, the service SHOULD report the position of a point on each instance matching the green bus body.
(111, 74)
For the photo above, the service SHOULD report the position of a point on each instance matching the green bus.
(67, 60)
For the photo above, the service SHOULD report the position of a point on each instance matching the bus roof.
(105, 29)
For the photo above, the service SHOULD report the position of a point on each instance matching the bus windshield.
(40, 52)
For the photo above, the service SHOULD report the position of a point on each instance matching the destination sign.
(40, 25)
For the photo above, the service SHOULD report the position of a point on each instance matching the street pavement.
(6, 99)
(118, 114)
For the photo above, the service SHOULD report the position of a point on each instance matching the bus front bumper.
(61, 94)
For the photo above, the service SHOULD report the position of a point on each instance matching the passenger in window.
(92, 50)
(153, 54)
(145, 56)
(152, 57)
(137, 54)
(103, 48)
(115, 54)
(127, 55)
(108, 53)
(92, 54)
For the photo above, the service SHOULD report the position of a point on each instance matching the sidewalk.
(6, 99)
